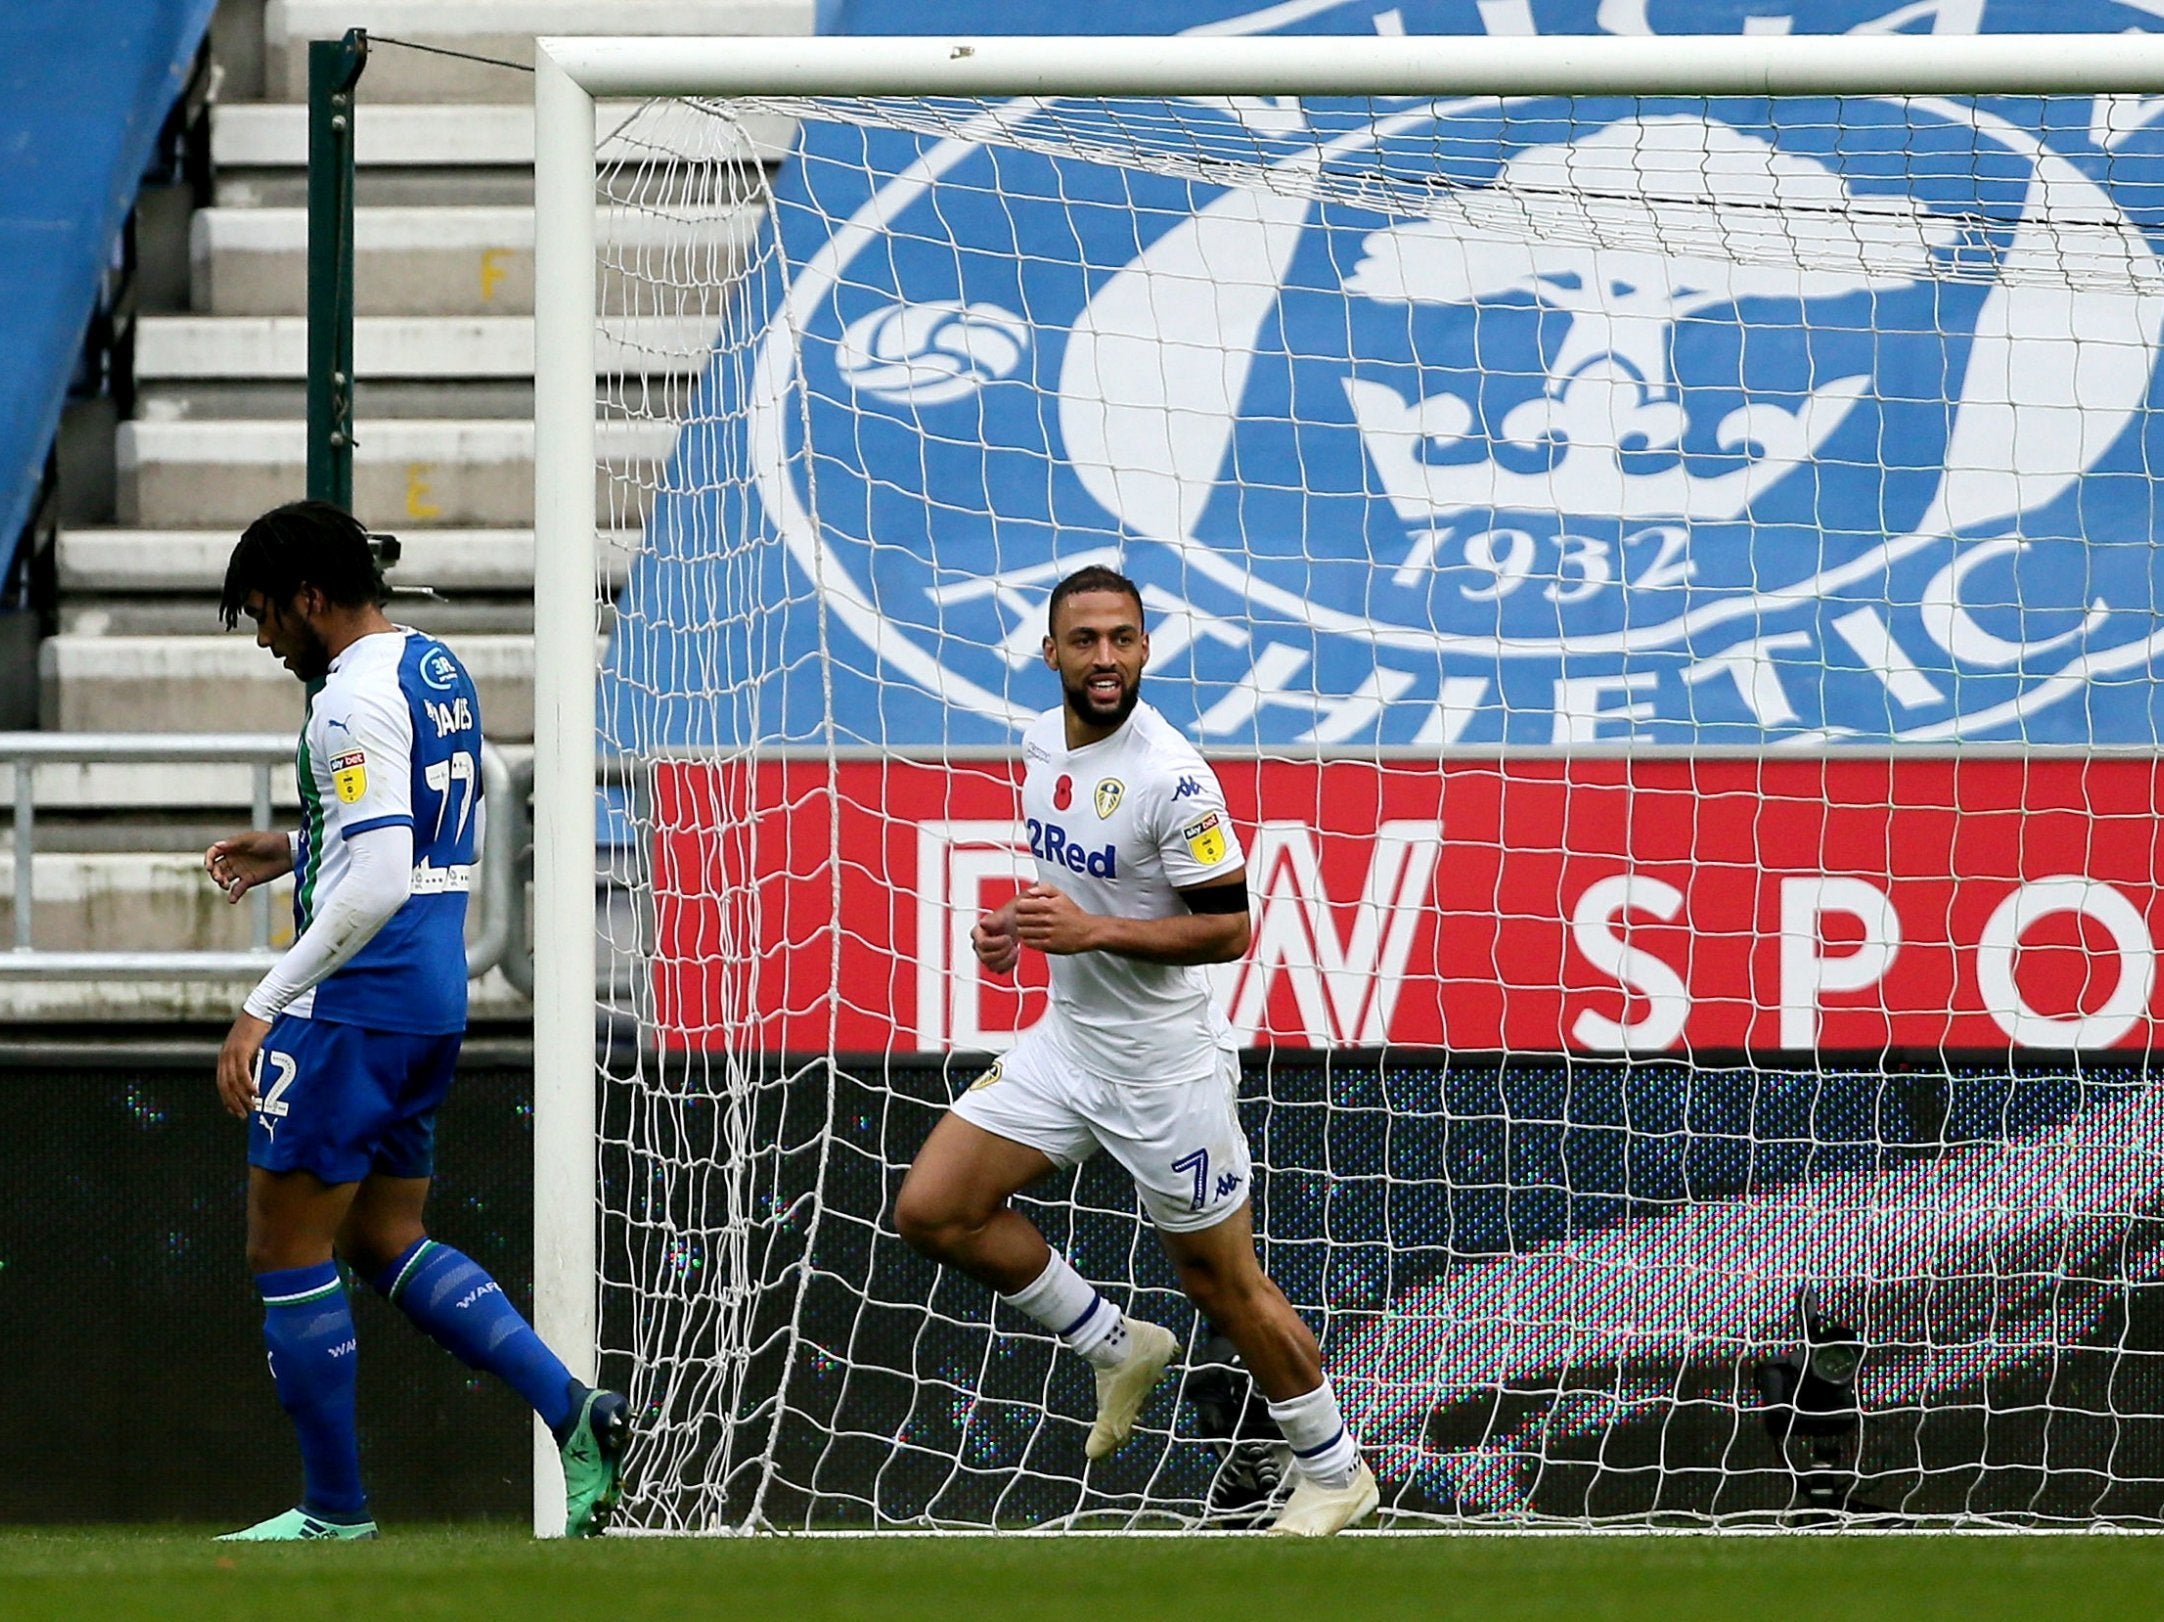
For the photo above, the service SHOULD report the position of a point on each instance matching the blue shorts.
(342, 1101)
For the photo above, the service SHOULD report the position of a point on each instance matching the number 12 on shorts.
(1197, 1164)
(273, 1102)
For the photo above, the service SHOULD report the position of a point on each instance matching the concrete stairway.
(444, 458)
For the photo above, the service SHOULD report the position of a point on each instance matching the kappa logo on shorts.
(987, 1079)
(349, 775)
(1108, 796)
(1206, 839)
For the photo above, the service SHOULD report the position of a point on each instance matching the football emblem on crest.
(1063, 793)
(1109, 791)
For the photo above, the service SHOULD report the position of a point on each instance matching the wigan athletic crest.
(1476, 422)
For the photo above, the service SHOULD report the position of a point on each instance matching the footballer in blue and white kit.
(357, 1062)
(341, 1056)
(1140, 885)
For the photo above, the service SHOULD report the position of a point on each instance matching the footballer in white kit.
(1132, 1056)
(1141, 884)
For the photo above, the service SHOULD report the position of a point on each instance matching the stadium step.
(442, 154)
(168, 903)
(227, 684)
(500, 29)
(441, 261)
(406, 473)
(117, 1005)
(450, 617)
(405, 366)
(455, 583)
(129, 799)
(138, 562)
(182, 348)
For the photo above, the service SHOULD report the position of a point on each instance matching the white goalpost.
(1659, 538)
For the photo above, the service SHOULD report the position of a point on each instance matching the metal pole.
(564, 923)
(26, 810)
(334, 67)
(259, 926)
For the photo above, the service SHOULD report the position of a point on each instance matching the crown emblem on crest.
(1108, 796)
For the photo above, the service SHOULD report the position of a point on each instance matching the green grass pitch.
(503, 1575)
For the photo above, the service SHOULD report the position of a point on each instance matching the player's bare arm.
(1050, 920)
(239, 864)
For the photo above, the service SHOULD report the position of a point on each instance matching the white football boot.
(1319, 1512)
(1123, 1388)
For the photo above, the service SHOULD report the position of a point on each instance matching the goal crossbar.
(1191, 65)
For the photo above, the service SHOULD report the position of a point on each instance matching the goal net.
(1669, 582)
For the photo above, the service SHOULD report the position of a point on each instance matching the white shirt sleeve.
(365, 735)
(378, 879)
(1196, 840)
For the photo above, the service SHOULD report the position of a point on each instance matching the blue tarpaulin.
(84, 86)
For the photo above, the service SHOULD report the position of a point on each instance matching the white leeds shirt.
(1121, 825)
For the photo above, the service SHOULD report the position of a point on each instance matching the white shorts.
(1181, 1142)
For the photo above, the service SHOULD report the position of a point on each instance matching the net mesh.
(1670, 591)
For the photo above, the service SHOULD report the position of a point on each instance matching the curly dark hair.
(303, 543)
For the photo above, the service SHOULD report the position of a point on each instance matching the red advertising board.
(1645, 905)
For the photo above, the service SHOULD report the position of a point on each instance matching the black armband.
(1217, 897)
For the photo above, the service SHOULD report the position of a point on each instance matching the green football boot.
(298, 1526)
(593, 1455)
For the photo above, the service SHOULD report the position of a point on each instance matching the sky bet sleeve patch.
(349, 775)
(1206, 839)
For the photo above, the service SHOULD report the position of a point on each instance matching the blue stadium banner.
(84, 87)
(1388, 480)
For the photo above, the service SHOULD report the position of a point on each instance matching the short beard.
(312, 662)
(1078, 703)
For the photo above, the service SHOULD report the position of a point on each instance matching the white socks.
(1068, 1304)
(1323, 1450)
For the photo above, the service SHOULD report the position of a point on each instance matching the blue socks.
(308, 1329)
(466, 1312)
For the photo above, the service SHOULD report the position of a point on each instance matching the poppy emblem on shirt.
(349, 775)
(1063, 793)
(1108, 797)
